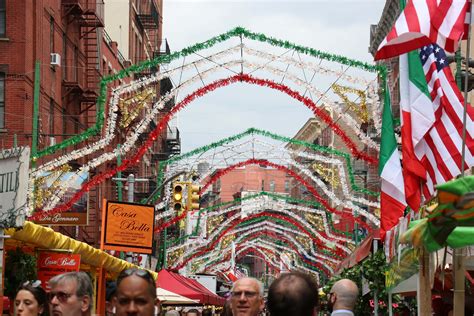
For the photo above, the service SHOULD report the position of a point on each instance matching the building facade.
(67, 39)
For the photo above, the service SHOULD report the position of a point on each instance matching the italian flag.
(417, 113)
(392, 198)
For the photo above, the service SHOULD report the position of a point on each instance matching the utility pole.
(130, 195)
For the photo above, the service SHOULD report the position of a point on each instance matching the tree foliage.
(371, 271)
(19, 268)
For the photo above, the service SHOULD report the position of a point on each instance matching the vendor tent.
(170, 298)
(187, 287)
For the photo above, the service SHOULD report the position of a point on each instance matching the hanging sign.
(78, 214)
(13, 186)
(51, 264)
(128, 227)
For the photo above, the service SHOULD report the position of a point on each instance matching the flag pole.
(458, 254)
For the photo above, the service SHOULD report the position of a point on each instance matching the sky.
(334, 26)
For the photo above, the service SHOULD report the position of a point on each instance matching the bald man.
(247, 297)
(343, 297)
(293, 293)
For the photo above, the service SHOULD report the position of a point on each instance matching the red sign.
(51, 264)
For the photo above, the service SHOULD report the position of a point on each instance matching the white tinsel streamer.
(113, 109)
(130, 141)
(286, 152)
(277, 228)
(373, 103)
(142, 127)
(191, 244)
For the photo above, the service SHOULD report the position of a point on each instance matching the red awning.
(187, 287)
(359, 254)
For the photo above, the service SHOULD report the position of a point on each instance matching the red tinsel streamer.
(275, 236)
(242, 254)
(188, 99)
(338, 252)
(223, 172)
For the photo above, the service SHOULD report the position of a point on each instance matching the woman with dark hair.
(31, 300)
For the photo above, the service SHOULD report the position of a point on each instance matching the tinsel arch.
(128, 106)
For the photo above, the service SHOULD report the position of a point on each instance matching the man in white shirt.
(343, 297)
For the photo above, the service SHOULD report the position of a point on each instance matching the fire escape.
(88, 16)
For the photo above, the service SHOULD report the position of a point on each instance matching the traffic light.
(177, 198)
(193, 197)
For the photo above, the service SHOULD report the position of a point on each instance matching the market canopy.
(186, 287)
(47, 238)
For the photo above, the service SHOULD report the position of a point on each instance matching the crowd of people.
(134, 293)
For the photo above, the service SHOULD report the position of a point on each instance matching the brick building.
(250, 179)
(68, 40)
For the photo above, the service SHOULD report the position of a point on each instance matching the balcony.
(163, 48)
(90, 13)
(147, 15)
(171, 146)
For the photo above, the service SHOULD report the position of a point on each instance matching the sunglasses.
(35, 283)
(61, 296)
(144, 274)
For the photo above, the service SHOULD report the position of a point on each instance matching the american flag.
(440, 150)
(422, 22)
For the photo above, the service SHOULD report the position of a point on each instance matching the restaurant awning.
(187, 287)
(359, 254)
(170, 298)
(47, 238)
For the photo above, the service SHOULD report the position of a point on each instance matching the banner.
(14, 165)
(128, 227)
(51, 264)
(78, 214)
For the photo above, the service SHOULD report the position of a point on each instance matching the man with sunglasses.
(71, 294)
(247, 297)
(136, 294)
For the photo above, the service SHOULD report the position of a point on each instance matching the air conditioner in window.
(52, 141)
(55, 59)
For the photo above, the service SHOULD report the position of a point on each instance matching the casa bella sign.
(14, 164)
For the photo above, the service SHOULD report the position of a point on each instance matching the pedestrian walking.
(31, 300)
(71, 294)
(247, 297)
(136, 293)
(343, 297)
(293, 293)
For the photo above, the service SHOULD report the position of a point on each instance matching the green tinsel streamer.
(236, 32)
(254, 131)
(301, 261)
(263, 193)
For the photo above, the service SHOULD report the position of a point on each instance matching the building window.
(287, 186)
(2, 100)
(3, 18)
(272, 186)
(64, 56)
(51, 117)
(51, 35)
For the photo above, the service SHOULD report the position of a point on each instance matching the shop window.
(3, 18)
(2, 100)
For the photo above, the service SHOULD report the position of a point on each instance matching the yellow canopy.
(47, 238)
